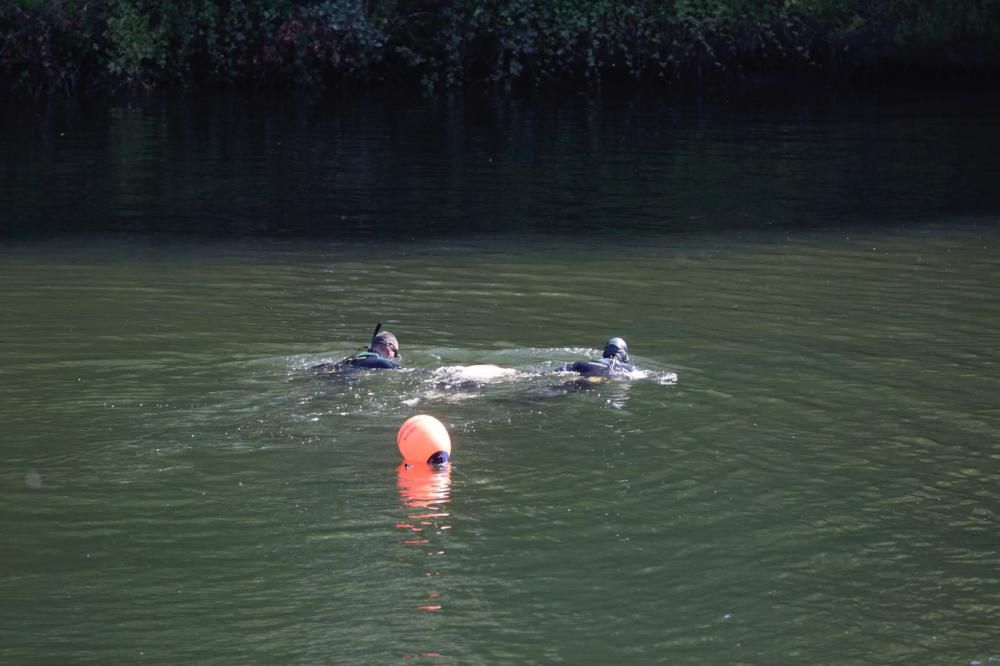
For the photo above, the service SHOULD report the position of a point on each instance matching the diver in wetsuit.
(615, 360)
(380, 354)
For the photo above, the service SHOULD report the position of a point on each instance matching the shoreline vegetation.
(110, 46)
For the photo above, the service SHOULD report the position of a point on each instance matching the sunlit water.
(818, 482)
(804, 469)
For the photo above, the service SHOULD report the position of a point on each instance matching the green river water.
(805, 471)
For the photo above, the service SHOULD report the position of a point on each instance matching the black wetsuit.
(598, 367)
(363, 361)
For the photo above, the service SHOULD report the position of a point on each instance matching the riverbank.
(76, 47)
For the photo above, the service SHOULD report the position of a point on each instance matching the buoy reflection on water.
(424, 491)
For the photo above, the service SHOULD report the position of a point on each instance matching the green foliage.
(323, 38)
(930, 23)
(448, 43)
(136, 47)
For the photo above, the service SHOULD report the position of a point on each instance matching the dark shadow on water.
(377, 167)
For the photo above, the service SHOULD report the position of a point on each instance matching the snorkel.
(350, 357)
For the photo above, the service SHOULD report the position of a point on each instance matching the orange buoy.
(423, 439)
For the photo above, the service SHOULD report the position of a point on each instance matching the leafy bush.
(65, 44)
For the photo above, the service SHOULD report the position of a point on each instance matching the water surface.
(817, 484)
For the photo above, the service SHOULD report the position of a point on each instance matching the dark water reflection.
(376, 166)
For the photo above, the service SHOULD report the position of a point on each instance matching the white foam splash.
(667, 378)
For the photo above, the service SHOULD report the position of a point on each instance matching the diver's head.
(385, 344)
(616, 348)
